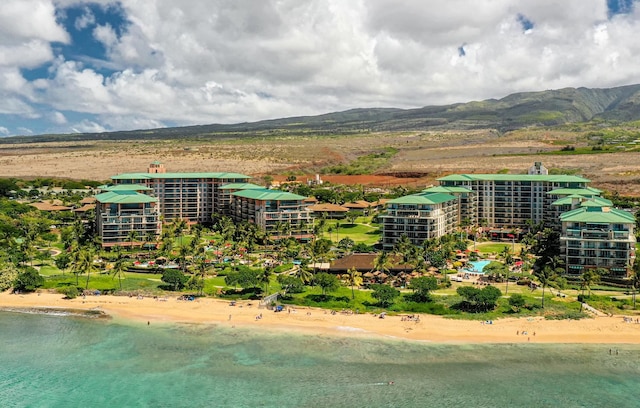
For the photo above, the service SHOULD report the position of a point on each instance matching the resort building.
(467, 202)
(193, 197)
(279, 213)
(594, 235)
(125, 212)
(419, 217)
(512, 200)
(223, 202)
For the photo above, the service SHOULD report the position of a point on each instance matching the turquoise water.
(478, 266)
(54, 361)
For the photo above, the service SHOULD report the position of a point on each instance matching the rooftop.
(515, 177)
(125, 187)
(124, 197)
(423, 198)
(588, 191)
(241, 186)
(266, 194)
(151, 176)
(598, 215)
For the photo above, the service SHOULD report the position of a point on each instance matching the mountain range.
(518, 110)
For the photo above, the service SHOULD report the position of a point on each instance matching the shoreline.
(303, 320)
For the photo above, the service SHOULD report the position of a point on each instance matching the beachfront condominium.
(193, 197)
(419, 217)
(279, 214)
(595, 235)
(512, 200)
(125, 215)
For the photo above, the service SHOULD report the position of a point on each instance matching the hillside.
(528, 109)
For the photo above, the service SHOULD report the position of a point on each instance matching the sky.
(71, 66)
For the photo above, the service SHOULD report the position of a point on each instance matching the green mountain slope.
(546, 108)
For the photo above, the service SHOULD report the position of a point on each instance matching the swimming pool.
(477, 266)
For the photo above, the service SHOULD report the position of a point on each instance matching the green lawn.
(360, 231)
(495, 247)
(103, 281)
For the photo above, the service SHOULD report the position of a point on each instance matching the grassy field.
(490, 247)
(361, 231)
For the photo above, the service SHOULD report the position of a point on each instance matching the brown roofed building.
(358, 205)
(50, 206)
(329, 210)
(88, 200)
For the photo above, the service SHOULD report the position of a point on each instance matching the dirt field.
(422, 157)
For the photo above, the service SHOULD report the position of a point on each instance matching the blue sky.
(75, 66)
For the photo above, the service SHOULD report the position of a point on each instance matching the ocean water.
(62, 361)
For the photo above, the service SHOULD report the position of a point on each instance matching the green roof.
(151, 176)
(124, 197)
(126, 187)
(266, 194)
(241, 186)
(598, 215)
(422, 198)
(444, 189)
(567, 200)
(515, 177)
(584, 201)
(597, 202)
(588, 191)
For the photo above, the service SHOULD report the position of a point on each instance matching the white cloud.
(4, 131)
(221, 61)
(22, 20)
(85, 20)
(87, 126)
(58, 118)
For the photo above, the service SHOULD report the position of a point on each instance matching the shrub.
(70, 292)
(29, 280)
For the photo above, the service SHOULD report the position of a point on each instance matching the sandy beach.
(604, 330)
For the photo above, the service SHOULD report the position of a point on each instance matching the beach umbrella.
(368, 275)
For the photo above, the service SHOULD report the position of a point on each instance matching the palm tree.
(507, 257)
(354, 278)
(302, 226)
(634, 279)
(382, 262)
(132, 236)
(265, 278)
(403, 247)
(197, 280)
(183, 252)
(150, 237)
(85, 263)
(545, 276)
(589, 278)
(303, 274)
(179, 226)
(119, 269)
